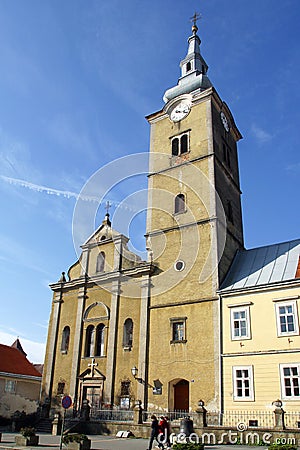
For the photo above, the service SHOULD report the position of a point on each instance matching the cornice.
(104, 278)
(260, 352)
(187, 302)
(263, 287)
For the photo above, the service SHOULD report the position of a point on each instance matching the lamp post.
(134, 371)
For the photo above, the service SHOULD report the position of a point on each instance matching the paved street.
(49, 442)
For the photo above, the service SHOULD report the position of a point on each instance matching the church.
(175, 329)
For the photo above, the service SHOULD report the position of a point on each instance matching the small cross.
(92, 365)
(195, 17)
(107, 206)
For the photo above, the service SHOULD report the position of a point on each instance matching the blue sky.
(76, 81)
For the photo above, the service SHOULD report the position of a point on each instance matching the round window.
(179, 265)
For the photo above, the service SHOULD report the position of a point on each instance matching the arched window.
(175, 147)
(180, 144)
(184, 143)
(89, 340)
(188, 66)
(179, 203)
(65, 340)
(100, 262)
(128, 333)
(99, 347)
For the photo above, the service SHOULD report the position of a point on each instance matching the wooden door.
(181, 396)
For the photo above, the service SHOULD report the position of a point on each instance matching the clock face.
(179, 111)
(224, 121)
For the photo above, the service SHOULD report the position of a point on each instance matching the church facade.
(122, 329)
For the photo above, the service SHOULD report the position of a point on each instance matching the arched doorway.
(179, 395)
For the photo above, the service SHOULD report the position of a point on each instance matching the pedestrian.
(162, 431)
(169, 431)
(154, 432)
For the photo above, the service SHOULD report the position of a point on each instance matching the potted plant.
(76, 441)
(27, 437)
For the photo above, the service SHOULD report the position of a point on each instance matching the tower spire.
(193, 67)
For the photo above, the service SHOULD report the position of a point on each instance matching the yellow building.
(260, 336)
(122, 329)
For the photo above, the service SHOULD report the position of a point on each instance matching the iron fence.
(292, 419)
(236, 420)
(112, 415)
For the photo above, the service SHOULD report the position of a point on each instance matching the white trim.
(245, 309)
(23, 377)
(281, 299)
(237, 398)
(282, 385)
(286, 303)
(237, 305)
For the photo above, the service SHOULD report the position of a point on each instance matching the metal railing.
(244, 419)
(112, 415)
(237, 420)
(292, 419)
(174, 416)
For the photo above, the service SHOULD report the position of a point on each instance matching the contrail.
(58, 192)
(48, 190)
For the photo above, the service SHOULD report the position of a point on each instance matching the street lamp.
(134, 371)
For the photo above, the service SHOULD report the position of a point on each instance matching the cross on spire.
(92, 365)
(107, 206)
(194, 19)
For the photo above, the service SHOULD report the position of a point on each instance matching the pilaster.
(52, 343)
(142, 388)
(112, 343)
(77, 342)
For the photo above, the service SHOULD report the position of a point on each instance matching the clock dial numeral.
(224, 121)
(180, 111)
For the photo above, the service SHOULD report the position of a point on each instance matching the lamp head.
(134, 371)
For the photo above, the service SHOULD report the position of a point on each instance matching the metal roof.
(263, 265)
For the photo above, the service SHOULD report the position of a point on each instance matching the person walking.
(162, 431)
(169, 431)
(154, 432)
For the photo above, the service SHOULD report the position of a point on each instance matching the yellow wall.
(265, 351)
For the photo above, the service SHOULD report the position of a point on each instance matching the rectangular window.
(180, 144)
(178, 327)
(290, 381)
(178, 331)
(240, 323)
(60, 388)
(10, 386)
(287, 318)
(243, 383)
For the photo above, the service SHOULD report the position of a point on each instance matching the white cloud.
(35, 350)
(261, 135)
(293, 167)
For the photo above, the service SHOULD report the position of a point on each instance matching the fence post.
(279, 415)
(56, 425)
(200, 419)
(138, 412)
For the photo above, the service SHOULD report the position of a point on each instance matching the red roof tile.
(14, 362)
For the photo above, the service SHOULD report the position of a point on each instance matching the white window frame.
(243, 398)
(178, 321)
(179, 136)
(293, 304)
(10, 386)
(284, 396)
(236, 309)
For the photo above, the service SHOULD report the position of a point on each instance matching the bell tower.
(194, 228)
